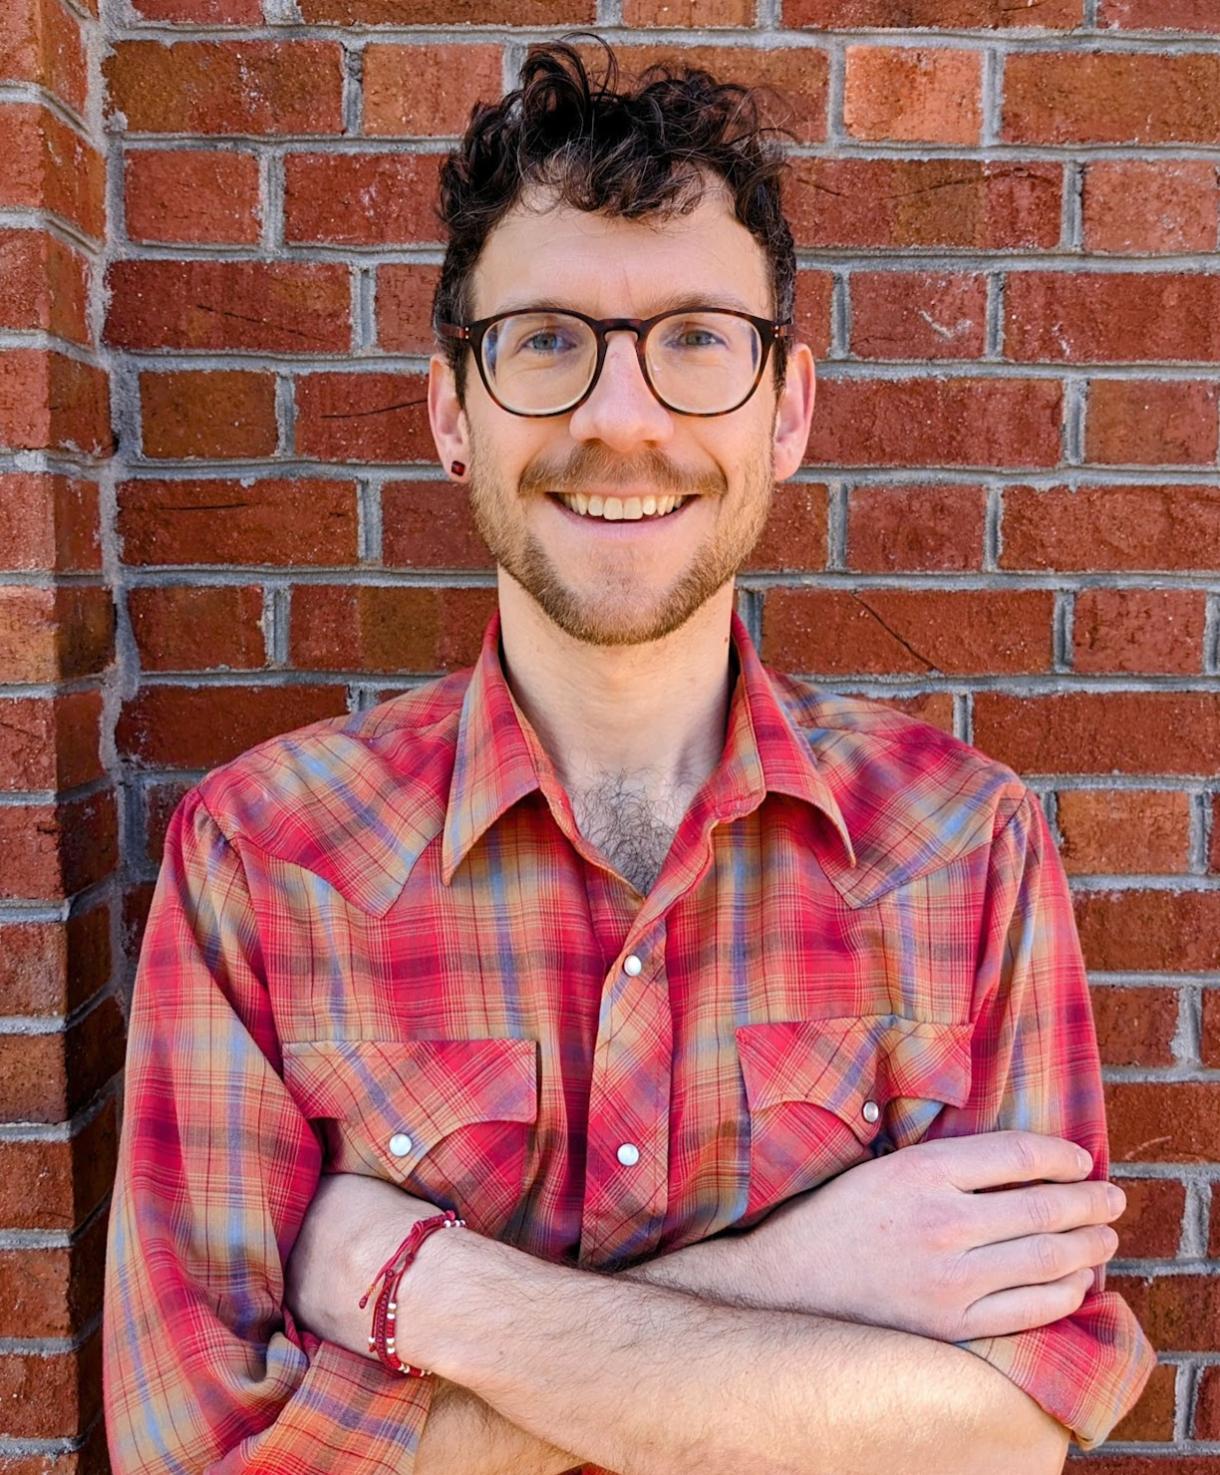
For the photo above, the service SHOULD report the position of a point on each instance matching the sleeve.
(1036, 1068)
(203, 1369)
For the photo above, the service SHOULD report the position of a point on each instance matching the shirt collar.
(498, 759)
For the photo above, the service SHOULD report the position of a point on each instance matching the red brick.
(812, 308)
(160, 801)
(54, 634)
(49, 968)
(1102, 528)
(1101, 732)
(137, 904)
(50, 742)
(49, 523)
(226, 414)
(43, 284)
(1143, 422)
(1143, 931)
(387, 629)
(47, 165)
(445, 12)
(913, 94)
(1095, 317)
(56, 1185)
(1124, 831)
(1151, 1224)
(1111, 97)
(1135, 1026)
(937, 422)
(1179, 1313)
(692, 13)
(56, 1395)
(1134, 206)
(1153, 15)
(248, 87)
(1152, 631)
(1213, 1238)
(932, 707)
(1207, 1405)
(984, 206)
(878, 631)
(364, 417)
(1215, 846)
(1210, 1052)
(261, 306)
(1152, 1416)
(918, 315)
(973, 14)
(48, 1077)
(419, 91)
(41, 43)
(427, 524)
(192, 195)
(203, 12)
(51, 402)
(199, 727)
(360, 199)
(404, 307)
(48, 852)
(1154, 1464)
(794, 537)
(198, 628)
(53, 1293)
(916, 528)
(279, 522)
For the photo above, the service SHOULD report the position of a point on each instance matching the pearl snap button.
(629, 1154)
(632, 966)
(400, 1144)
(871, 1111)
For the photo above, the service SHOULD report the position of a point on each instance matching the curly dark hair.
(637, 152)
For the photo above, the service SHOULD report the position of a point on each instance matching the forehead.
(609, 266)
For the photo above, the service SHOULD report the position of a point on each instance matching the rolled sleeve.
(203, 1368)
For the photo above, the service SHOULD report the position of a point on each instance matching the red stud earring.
(458, 468)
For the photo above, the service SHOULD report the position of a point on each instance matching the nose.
(622, 411)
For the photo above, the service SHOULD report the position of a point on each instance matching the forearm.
(464, 1433)
(581, 1359)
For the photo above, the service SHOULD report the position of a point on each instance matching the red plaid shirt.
(380, 945)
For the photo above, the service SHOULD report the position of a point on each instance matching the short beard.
(522, 556)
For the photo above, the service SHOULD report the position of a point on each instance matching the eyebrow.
(674, 302)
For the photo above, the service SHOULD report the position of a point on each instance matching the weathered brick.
(49, 968)
(229, 413)
(1099, 528)
(794, 537)
(446, 12)
(984, 206)
(1097, 317)
(1135, 1026)
(1179, 1313)
(877, 631)
(1121, 831)
(932, 707)
(273, 521)
(812, 310)
(49, 523)
(1207, 1405)
(691, 13)
(248, 87)
(1131, 205)
(41, 43)
(1152, 1416)
(160, 801)
(198, 627)
(1129, 931)
(1151, 1224)
(52, 1396)
(360, 199)
(51, 402)
(1153, 15)
(420, 91)
(916, 528)
(918, 315)
(913, 94)
(50, 742)
(48, 851)
(937, 422)
(53, 1292)
(205, 196)
(43, 284)
(973, 14)
(202, 12)
(48, 165)
(387, 629)
(262, 306)
(427, 524)
(48, 1077)
(54, 634)
(363, 417)
(56, 1185)
(1151, 631)
(1101, 732)
(1149, 422)
(1209, 1051)
(199, 727)
(404, 307)
(1111, 97)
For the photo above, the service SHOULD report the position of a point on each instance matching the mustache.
(592, 468)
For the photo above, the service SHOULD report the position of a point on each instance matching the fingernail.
(1117, 1199)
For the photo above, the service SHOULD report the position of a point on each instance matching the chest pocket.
(826, 1094)
(446, 1120)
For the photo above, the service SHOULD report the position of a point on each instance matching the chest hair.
(631, 825)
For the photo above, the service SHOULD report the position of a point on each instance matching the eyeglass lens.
(699, 362)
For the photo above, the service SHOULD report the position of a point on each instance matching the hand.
(352, 1227)
(905, 1241)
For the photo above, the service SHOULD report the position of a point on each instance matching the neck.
(654, 713)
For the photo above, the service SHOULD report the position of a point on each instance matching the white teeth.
(596, 504)
(619, 509)
(650, 506)
(633, 509)
(613, 511)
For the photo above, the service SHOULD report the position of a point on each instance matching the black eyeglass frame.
(473, 333)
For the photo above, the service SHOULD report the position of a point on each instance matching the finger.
(988, 1218)
(1039, 1258)
(1005, 1312)
(991, 1159)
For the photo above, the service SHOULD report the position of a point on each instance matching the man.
(616, 945)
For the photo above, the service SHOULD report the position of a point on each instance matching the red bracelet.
(381, 1338)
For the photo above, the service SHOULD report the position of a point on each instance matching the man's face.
(627, 581)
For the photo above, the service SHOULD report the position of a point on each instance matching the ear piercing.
(458, 468)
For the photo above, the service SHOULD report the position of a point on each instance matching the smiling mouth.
(619, 509)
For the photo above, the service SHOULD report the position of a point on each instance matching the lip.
(624, 528)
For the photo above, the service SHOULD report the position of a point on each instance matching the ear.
(450, 428)
(794, 411)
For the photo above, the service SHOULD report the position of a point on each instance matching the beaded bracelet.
(381, 1338)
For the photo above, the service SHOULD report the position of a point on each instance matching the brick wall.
(1009, 520)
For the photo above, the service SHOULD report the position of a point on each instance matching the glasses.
(696, 361)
